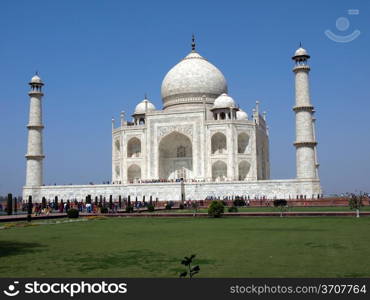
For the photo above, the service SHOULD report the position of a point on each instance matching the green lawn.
(154, 247)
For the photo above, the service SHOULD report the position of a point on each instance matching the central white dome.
(190, 79)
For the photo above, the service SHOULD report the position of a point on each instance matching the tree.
(191, 271)
(15, 205)
(238, 201)
(355, 203)
(129, 207)
(216, 209)
(29, 208)
(195, 206)
(43, 202)
(282, 204)
(9, 207)
(56, 205)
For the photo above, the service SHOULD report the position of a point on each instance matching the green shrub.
(232, 209)
(168, 206)
(104, 210)
(216, 209)
(129, 209)
(355, 202)
(73, 213)
(191, 271)
(9, 207)
(280, 202)
(239, 202)
(151, 207)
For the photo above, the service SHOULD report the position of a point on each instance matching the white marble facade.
(201, 142)
(197, 136)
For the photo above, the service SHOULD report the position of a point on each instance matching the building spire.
(193, 43)
(122, 118)
(113, 123)
(35, 154)
(305, 142)
(300, 44)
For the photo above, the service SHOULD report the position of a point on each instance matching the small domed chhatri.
(36, 79)
(224, 101)
(144, 106)
(241, 115)
(300, 52)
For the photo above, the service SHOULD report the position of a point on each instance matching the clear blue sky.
(100, 57)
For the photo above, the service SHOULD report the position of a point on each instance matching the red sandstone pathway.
(23, 217)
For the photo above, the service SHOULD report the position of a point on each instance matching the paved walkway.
(23, 217)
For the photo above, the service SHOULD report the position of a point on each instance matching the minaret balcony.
(35, 126)
(303, 108)
(305, 144)
(35, 93)
(301, 68)
(35, 156)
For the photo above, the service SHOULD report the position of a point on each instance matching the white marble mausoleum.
(200, 144)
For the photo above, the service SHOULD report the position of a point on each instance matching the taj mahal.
(200, 144)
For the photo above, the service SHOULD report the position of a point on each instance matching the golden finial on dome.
(193, 43)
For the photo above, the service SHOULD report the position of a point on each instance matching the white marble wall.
(34, 172)
(192, 124)
(35, 155)
(305, 140)
(35, 113)
(302, 90)
(172, 191)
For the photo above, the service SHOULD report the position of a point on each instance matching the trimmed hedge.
(239, 202)
(168, 206)
(280, 202)
(104, 210)
(129, 209)
(232, 209)
(73, 213)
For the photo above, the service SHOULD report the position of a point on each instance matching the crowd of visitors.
(89, 205)
(114, 205)
(162, 181)
(46, 207)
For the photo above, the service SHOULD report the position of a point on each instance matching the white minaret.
(305, 142)
(35, 154)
